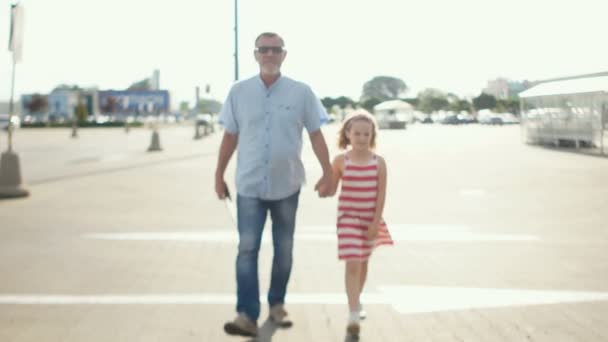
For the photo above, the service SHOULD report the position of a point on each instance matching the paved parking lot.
(495, 241)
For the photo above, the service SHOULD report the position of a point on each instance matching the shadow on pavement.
(350, 338)
(117, 169)
(265, 332)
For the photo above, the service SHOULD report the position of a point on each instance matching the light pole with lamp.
(10, 171)
(236, 41)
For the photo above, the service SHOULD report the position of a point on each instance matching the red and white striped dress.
(356, 209)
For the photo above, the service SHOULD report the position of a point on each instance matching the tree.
(431, 100)
(344, 102)
(328, 103)
(37, 104)
(370, 103)
(383, 88)
(510, 105)
(456, 104)
(460, 105)
(184, 106)
(80, 111)
(209, 106)
(484, 101)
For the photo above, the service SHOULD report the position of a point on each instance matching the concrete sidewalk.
(495, 241)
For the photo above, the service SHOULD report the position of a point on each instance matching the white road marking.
(321, 233)
(403, 299)
(419, 299)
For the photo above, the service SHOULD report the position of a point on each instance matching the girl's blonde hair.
(358, 115)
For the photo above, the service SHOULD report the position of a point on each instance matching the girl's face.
(359, 135)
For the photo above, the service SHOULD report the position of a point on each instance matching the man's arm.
(320, 148)
(227, 147)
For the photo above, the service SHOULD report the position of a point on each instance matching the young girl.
(360, 225)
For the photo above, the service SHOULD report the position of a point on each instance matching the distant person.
(360, 225)
(264, 117)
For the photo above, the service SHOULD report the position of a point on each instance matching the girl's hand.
(372, 230)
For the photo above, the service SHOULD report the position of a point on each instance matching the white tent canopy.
(393, 114)
(575, 86)
(396, 105)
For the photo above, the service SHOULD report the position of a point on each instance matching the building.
(502, 88)
(133, 102)
(62, 103)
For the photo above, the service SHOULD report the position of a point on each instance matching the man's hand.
(221, 189)
(227, 147)
(324, 186)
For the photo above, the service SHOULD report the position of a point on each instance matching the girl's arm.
(381, 197)
(336, 167)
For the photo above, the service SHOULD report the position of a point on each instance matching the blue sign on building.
(133, 101)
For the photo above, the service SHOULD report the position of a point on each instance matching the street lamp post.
(10, 170)
(236, 41)
(11, 110)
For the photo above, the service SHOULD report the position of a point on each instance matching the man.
(265, 116)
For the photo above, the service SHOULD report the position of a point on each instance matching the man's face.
(269, 54)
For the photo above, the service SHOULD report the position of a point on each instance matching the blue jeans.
(251, 216)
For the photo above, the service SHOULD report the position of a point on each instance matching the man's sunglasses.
(264, 49)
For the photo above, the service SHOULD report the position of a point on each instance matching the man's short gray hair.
(269, 35)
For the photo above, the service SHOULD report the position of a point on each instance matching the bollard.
(197, 132)
(10, 176)
(155, 142)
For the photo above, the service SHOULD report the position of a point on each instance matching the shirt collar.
(261, 82)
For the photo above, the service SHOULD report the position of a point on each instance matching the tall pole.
(10, 171)
(603, 126)
(11, 109)
(236, 41)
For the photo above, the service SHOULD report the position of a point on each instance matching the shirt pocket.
(289, 115)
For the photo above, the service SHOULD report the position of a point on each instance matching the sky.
(334, 46)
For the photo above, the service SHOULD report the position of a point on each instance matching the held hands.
(324, 186)
(372, 230)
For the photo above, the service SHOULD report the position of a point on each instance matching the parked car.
(509, 118)
(488, 117)
(451, 120)
(426, 120)
(496, 120)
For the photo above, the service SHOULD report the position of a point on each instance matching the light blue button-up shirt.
(269, 123)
